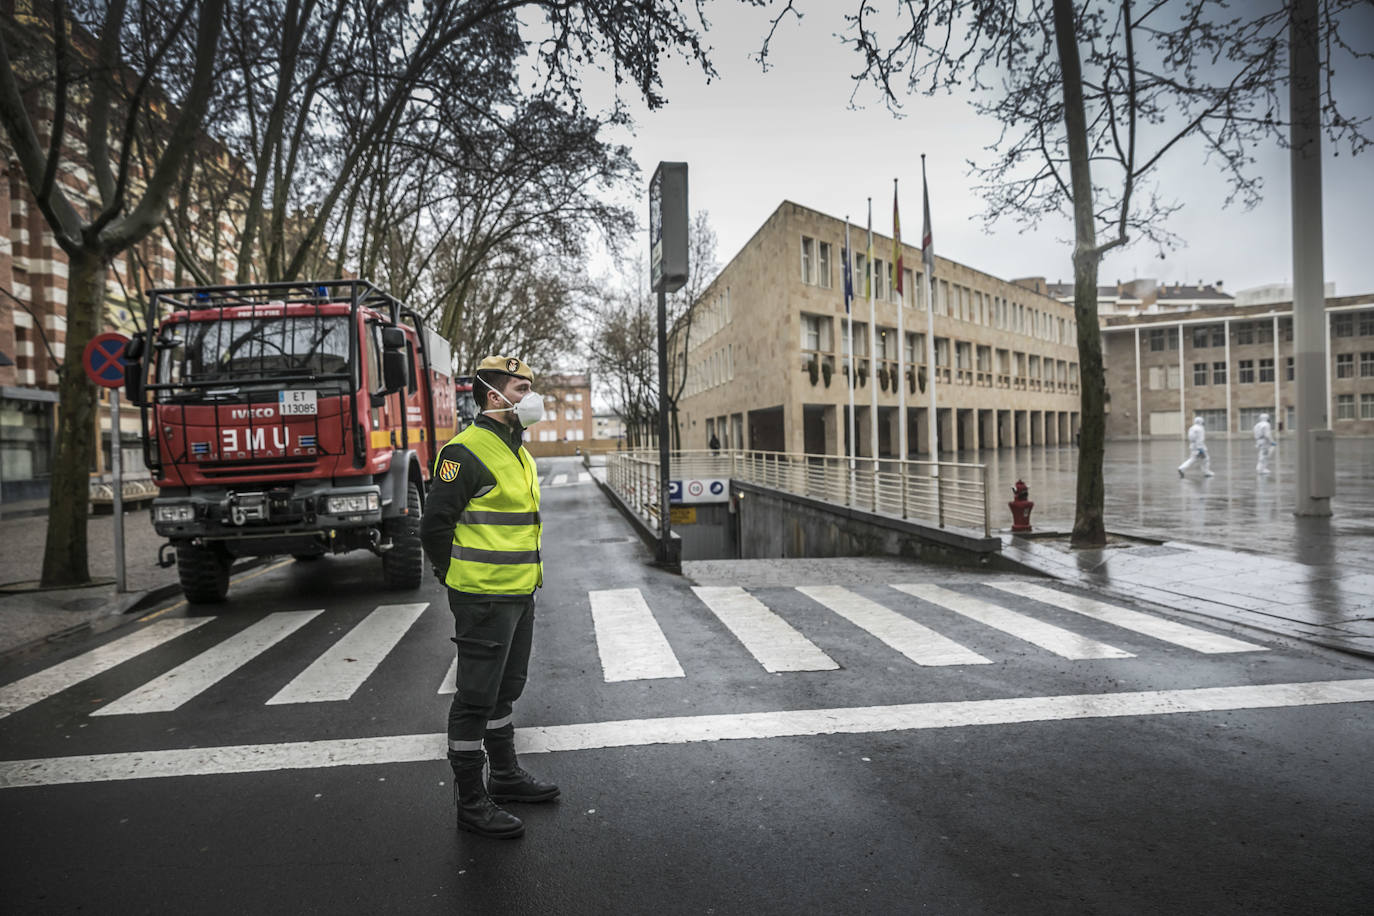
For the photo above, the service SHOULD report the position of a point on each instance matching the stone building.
(768, 358)
(567, 409)
(1229, 365)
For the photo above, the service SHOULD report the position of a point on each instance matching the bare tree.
(1091, 97)
(147, 64)
(702, 268)
(623, 350)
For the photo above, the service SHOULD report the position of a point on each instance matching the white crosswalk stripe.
(50, 681)
(450, 682)
(192, 678)
(554, 481)
(631, 643)
(917, 642)
(1169, 631)
(769, 638)
(1036, 632)
(559, 480)
(340, 671)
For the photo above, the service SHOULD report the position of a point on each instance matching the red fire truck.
(289, 418)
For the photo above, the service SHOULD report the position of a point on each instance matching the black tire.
(204, 573)
(403, 566)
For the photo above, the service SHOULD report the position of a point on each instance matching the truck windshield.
(243, 350)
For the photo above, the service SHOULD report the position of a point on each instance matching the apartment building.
(769, 359)
(567, 409)
(1229, 365)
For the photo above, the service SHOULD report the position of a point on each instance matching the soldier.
(1197, 449)
(481, 533)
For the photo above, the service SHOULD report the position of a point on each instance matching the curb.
(122, 613)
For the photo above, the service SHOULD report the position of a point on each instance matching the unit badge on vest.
(448, 471)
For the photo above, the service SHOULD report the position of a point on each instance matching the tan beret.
(508, 365)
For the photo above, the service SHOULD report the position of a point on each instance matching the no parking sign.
(104, 359)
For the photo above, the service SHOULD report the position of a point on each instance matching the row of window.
(1246, 374)
(715, 368)
(953, 300)
(1345, 406)
(551, 435)
(816, 338)
(1244, 333)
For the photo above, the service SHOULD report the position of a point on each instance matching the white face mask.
(529, 411)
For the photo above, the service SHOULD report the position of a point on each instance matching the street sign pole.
(667, 273)
(105, 364)
(116, 466)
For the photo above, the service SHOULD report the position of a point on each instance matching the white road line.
(1061, 642)
(1158, 627)
(308, 755)
(197, 675)
(340, 671)
(559, 480)
(769, 638)
(919, 643)
(629, 639)
(43, 684)
(450, 681)
(583, 477)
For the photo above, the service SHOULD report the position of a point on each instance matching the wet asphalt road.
(1239, 810)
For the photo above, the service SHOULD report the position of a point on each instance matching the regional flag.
(927, 248)
(896, 243)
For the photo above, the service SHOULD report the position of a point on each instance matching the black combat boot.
(477, 813)
(508, 782)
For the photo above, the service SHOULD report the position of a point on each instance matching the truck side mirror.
(393, 339)
(395, 368)
(133, 368)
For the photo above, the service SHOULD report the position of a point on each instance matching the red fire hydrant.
(1021, 507)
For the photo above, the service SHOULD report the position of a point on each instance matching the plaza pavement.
(1225, 547)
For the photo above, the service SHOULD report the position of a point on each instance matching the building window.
(1199, 373)
(1343, 326)
(1245, 373)
(1175, 378)
(1163, 339)
(823, 265)
(1266, 368)
(1366, 365)
(1286, 330)
(942, 351)
(860, 276)
(815, 333)
(1156, 378)
(860, 338)
(879, 279)
(1367, 324)
(1288, 372)
(1345, 365)
(1218, 373)
(1202, 337)
(915, 349)
(1345, 407)
(1245, 333)
(1367, 406)
(1215, 419)
(1264, 332)
(808, 260)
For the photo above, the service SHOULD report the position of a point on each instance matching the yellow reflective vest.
(496, 540)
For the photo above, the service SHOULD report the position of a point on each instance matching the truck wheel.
(204, 573)
(403, 566)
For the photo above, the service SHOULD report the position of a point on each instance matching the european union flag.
(848, 278)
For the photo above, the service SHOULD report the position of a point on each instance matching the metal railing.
(939, 493)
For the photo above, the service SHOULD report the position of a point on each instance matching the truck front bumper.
(303, 507)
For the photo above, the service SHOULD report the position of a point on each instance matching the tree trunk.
(1089, 527)
(64, 554)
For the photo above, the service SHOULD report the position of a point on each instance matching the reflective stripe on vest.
(497, 537)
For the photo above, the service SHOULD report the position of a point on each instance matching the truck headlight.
(354, 503)
(175, 513)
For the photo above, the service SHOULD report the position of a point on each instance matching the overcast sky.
(753, 139)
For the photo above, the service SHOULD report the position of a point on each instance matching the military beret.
(508, 365)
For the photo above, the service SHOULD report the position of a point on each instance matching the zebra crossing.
(631, 644)
(564, 479)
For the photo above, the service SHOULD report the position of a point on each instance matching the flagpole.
(872, 350)
(928, 258)
(901, 329)
(853, 363)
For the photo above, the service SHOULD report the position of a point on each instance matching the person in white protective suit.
(1197, 449)
(1264, 444)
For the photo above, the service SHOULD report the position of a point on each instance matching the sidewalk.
(30, 617)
